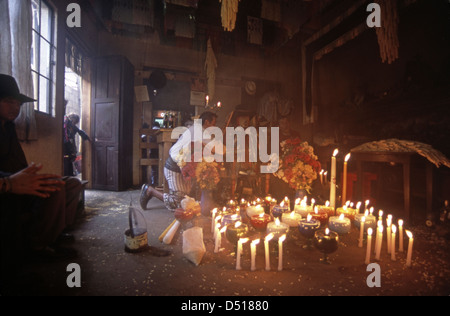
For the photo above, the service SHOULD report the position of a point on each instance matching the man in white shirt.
(179, 187)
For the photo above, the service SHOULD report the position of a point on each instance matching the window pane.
(46, 22)
(44, 95)
(44, 59)
(34, 52)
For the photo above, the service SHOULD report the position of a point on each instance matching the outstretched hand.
(28, 182)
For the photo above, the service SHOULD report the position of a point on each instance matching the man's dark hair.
(207, 116)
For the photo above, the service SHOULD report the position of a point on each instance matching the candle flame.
(282, 238)
(277, 221)
(237, 225)
(363, 219)
(223, 229)
(409, 234)
(214, 211)
(347, 158)
(394, 229)
(322, 171)
(293, 214)
(327, 231)
(336, 152)
(327, 203)
(389, 220)
(297, 201)
(380, 213)
(316, 210)
(261, 215)
(367, 202)
(309, 217)
(366, 213)
(313, 201)
(282, 204)
(256, 242)
(370, 231)
(358, 205)
(371, 210)
(400, 222)
(269, 237)
(243, 240)
(341, 217)
(380, 229)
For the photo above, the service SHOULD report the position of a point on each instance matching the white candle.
(216, 221)
(388, 233)
(394, 231)
(400, 235)
(266, 248)
(253, 253)
(333, 179)
(321, 176)
(239, 252)
(369, 245)
(410, 248)
(380, 242)
(361, 232)
(344, 184)
(292, 219)
(218, 241)
(380, 215)
(213, 219)
(280, 252)
(253, 210)
(358, 207)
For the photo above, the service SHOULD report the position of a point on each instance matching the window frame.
(46, 103)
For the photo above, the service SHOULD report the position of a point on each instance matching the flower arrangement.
(299, 165)
(207, 174)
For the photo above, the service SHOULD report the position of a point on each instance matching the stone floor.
(107, 270)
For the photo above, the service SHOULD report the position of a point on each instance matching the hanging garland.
(388, 33)
(228, 13)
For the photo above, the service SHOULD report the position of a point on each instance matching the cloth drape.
(15, 58)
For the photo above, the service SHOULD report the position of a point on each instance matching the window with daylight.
(43, 55)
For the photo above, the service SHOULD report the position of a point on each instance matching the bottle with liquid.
(136, 237)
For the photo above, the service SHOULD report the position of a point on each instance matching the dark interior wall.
(358, 95)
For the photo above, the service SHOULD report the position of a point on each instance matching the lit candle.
(259, 222)
(216, 221)
(344, 187)
(268, 238)
(280, 252)
(239, 252)
(388, 233)
(380, 215)
(213, 219)
(254, 210)
(340, 225)
(277, 228)
(333, 179)
(302, 207)
(410, 248)
(253, 253)
(380, 242)
(320, 215)
(347, 211)
(279, 210)
(292, 219)
(394, 231)
(231, 219)
(218, 242)
(400, 235)
(325, 177)
(361, 232)
(369, 245)
(287, 202)
(321, 176)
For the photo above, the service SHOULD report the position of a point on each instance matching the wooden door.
(111, 111)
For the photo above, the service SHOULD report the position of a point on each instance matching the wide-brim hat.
(9, 88)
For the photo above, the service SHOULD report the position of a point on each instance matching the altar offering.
(370, 221)
(236, 231)
(339, 224)
(231, 219)
(321, 216)
(327, 242)
(301, 207)
(260, 222)
(292, 219)
(277, 228)
(253, 210)
(347, 211)
(279, 210)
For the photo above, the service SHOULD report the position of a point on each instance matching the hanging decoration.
(210, 66)
(388, 33)
(228, 14)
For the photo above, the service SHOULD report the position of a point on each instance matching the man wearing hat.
(44, 202)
